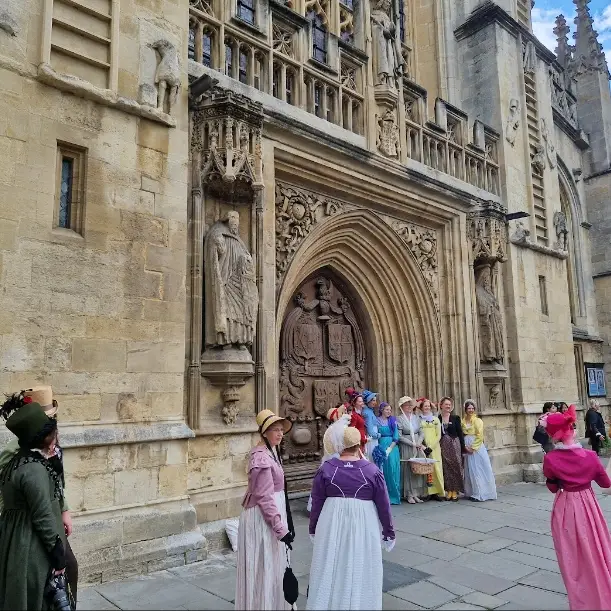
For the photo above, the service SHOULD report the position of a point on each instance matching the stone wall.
(99, 313)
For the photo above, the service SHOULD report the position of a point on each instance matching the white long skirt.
(261, 562)
(479, 477)
(346, 568)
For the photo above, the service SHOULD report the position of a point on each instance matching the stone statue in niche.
(388, 60)
(167, 75)
(562, 232)
(538, 159)
(231, 294)
(513, 121)
(489, 314)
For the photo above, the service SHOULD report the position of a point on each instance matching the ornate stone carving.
(487, 233)
(322, 352)
(231, 410)
(203, 5)
(167, 75)
(492, 348)
(282, 40)
(538, 160)
(227, 132)
(494, 392)
(422, 243)
(513, 121)
(388, 60)
(297, 211)
(388, 134)
(348, 76)
(230, 286)
(562, 233)
(521, 234)
(550, 149)
(8, 24)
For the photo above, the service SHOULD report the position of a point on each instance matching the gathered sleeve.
(319, 495)
(382, 503)
(551, 482)
(261, 484)
(33, 480)
(602, 477)
(478, 429)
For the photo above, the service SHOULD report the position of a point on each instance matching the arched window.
(565, 208)
(243, 73)
(276, 80)
(319, 36)
(290, 87)
(228, 57)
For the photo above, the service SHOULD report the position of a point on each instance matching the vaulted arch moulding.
(390, 299)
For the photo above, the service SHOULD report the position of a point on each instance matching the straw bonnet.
(28, 421)
(404, 400)
(266, 418)
(352, 437)
(43, 395)
(335, 413)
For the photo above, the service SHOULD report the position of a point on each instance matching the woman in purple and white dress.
(349, 501)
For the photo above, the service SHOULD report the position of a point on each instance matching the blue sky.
(544, 15)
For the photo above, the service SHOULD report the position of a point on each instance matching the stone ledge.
(106, 97)
(545, 250)
(77, 436)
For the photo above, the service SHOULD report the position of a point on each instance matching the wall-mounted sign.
(595, 378)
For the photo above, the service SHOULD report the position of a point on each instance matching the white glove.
(312, 538)
(388, 451)
(388, 544)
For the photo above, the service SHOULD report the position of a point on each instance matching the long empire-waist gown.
(410, 437)
(432, 437)
(579, 529)
(349, 502)
(392, 464)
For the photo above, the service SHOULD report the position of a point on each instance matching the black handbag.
(540, 435)
(290, 585)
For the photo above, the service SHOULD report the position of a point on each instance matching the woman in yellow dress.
(431, 427)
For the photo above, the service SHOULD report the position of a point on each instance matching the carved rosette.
(487, 233)
(227, 132)
(422, 242)
(297, 212)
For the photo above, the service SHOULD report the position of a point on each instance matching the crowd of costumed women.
(374, 457)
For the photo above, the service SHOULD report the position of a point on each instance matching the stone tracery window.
(319, 35)
(246, 11)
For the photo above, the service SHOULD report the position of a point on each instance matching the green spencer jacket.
(5, 456)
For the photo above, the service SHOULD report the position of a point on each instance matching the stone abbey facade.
(213, 207)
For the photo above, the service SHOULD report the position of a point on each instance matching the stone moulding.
(80, 436)
(524, 241)
(106, 97)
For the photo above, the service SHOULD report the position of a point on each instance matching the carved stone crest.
(297, 212)
(388, 134)
(487, 233)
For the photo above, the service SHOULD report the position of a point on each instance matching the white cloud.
(543, 24)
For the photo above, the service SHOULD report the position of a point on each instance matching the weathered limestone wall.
(101, 315)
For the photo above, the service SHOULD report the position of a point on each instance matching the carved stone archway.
(396, 307)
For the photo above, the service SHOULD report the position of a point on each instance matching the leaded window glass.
(191, 43)
(318, 93)
(289, 87)
(276, 81)
(65, 195)
(243, 76)
(246, 10)
(402, 32)
(228, 58)
(207, 49)
(319, 36)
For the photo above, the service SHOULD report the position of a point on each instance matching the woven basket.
(419, 468)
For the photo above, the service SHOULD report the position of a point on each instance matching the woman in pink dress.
(580, 532)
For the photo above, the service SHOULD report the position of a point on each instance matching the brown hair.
(445, 399)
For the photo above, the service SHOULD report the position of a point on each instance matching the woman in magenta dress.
(580, 532)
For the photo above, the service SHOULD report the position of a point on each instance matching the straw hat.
(43, 395)
(335, 413)
(404, 400)
(352, 437)
(266, 418)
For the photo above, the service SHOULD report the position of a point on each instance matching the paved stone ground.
(465, 555)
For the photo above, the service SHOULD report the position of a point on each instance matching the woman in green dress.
(32, 537)
(389, 443)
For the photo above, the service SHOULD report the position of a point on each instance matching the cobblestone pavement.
(465, 555)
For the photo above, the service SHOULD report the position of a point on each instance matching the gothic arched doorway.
(322, 352)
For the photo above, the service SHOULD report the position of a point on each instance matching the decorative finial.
(563, 50)
(588, 51)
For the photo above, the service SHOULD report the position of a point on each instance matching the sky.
(544, 16)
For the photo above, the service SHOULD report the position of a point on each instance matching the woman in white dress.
(480, 484)
(349, 500)
(411, 443)
(264, 533)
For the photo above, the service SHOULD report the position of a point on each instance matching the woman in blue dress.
(389, 443)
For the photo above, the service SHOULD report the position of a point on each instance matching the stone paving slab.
(456, 556)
